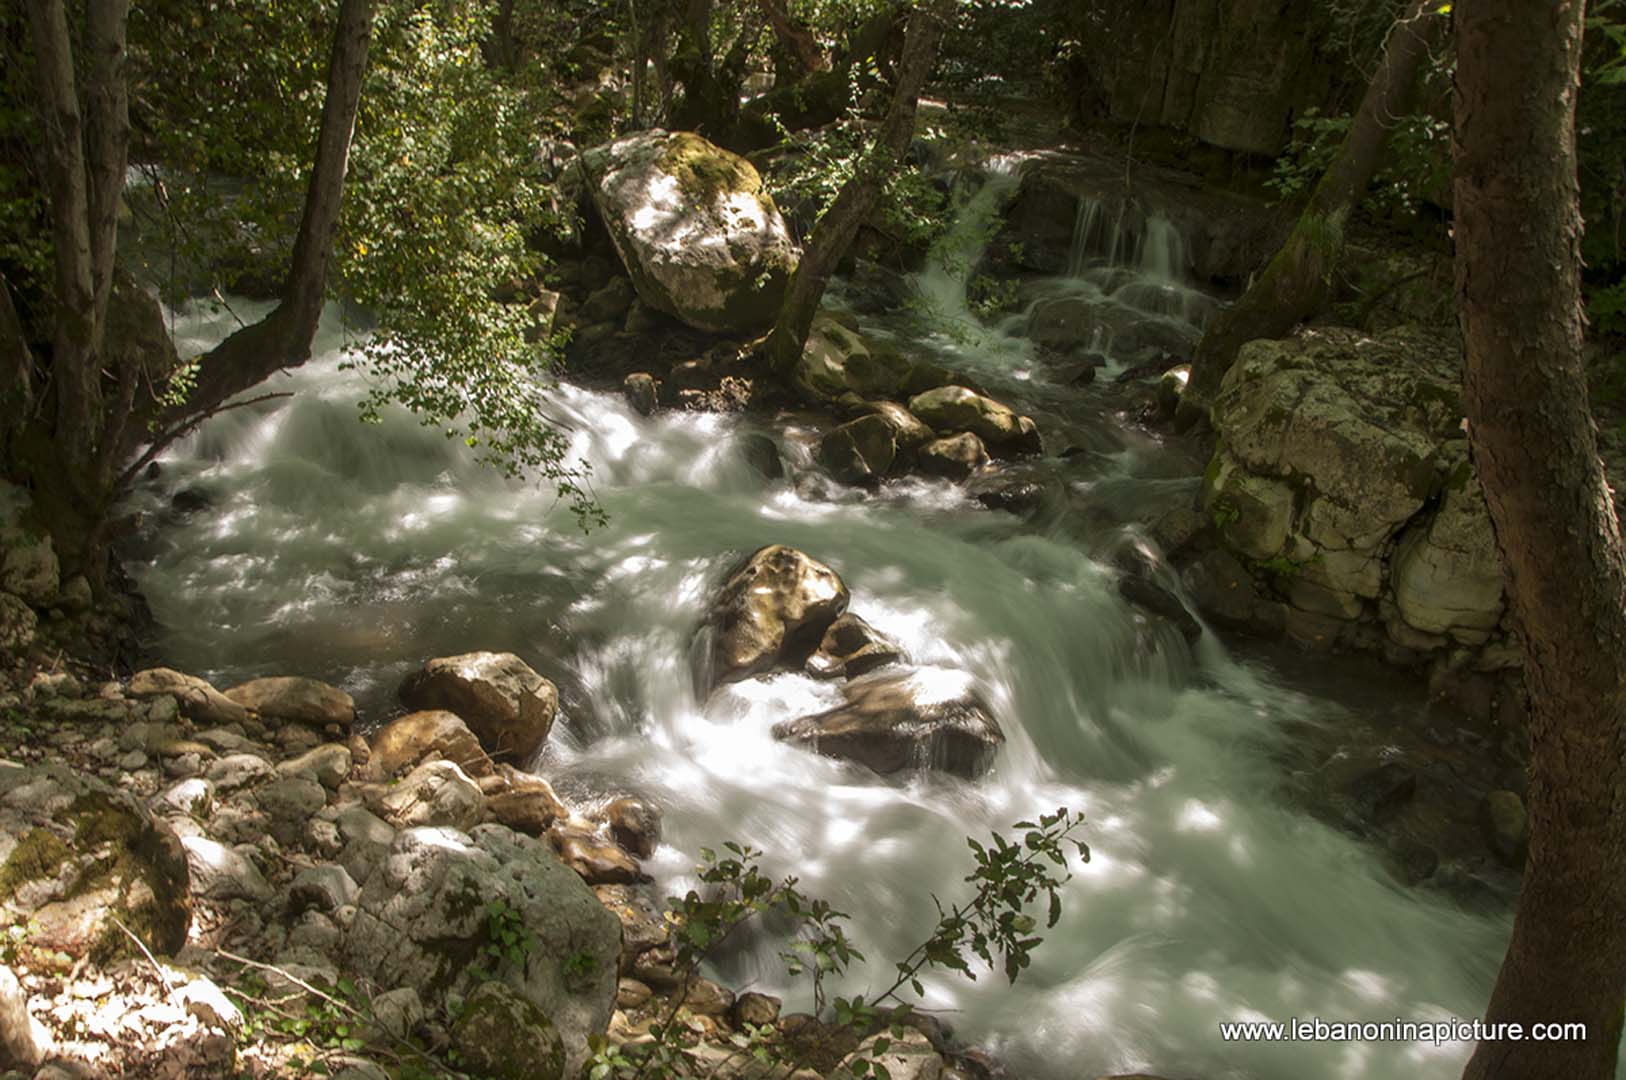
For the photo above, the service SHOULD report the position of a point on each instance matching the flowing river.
(328, 548)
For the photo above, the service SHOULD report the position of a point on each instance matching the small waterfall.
(1119, 235)
(1138, 260)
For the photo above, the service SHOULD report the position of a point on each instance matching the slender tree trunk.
(1294, 285)
(75, 379)
(283, 338)
(92, 423)
(1518, 233)
(836, 230)
(800, 49)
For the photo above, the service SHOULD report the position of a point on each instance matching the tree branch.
(282, 339)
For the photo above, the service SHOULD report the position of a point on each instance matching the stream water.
(353, 553)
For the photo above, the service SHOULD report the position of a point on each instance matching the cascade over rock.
(780, 602)
(700, 237)
(926, 718)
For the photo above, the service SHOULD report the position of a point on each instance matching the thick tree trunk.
(74, 446)
(1293, 286)
(835, 232)
(1518, 232)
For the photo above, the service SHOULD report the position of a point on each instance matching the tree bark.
(1294, 284)
(835, 231)
(1518, 232)
(75, 380)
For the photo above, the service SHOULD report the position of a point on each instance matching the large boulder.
(700, 236)
(773, 609)
(507, 705)
(81, 863)
(424, 915)
(928, 718)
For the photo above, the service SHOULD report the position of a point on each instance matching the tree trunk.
(835, 232)
(799, 49)
(75, 444)
(1293, 286)
(283, 338)
(1518, 233)
(75, 378)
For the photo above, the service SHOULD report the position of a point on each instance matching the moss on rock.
(506, 1037)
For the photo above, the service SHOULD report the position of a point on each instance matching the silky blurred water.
(352, 553)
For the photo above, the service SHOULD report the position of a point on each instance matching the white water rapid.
(352, 553)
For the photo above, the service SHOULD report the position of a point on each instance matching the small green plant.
(993, 927)
(509, 942)
(988, 297)
(1225, 514)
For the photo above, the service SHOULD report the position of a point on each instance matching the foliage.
(508, 941)
(444, 194)
(810, 175)
(1416, 167)
(992, 928)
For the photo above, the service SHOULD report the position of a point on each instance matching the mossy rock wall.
(1342, 477)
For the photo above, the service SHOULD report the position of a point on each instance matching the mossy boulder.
(430, 908)
(505, 1037)
(700, 236)
(84, 866)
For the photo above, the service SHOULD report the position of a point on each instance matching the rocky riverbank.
(204, 883)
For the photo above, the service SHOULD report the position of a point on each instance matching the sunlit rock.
(507, 705)
(408, 740)
(220, 872)
(635, 824)
(928, 718)
(198, 700)
(436, 793)
(950, 409)
(773, 609)
(78, 858)
(425, 911)
(293, 699)
(597, 861)
(699, 234)
(852, 647)
(954, 457)
(523, 802)
(837, 360)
